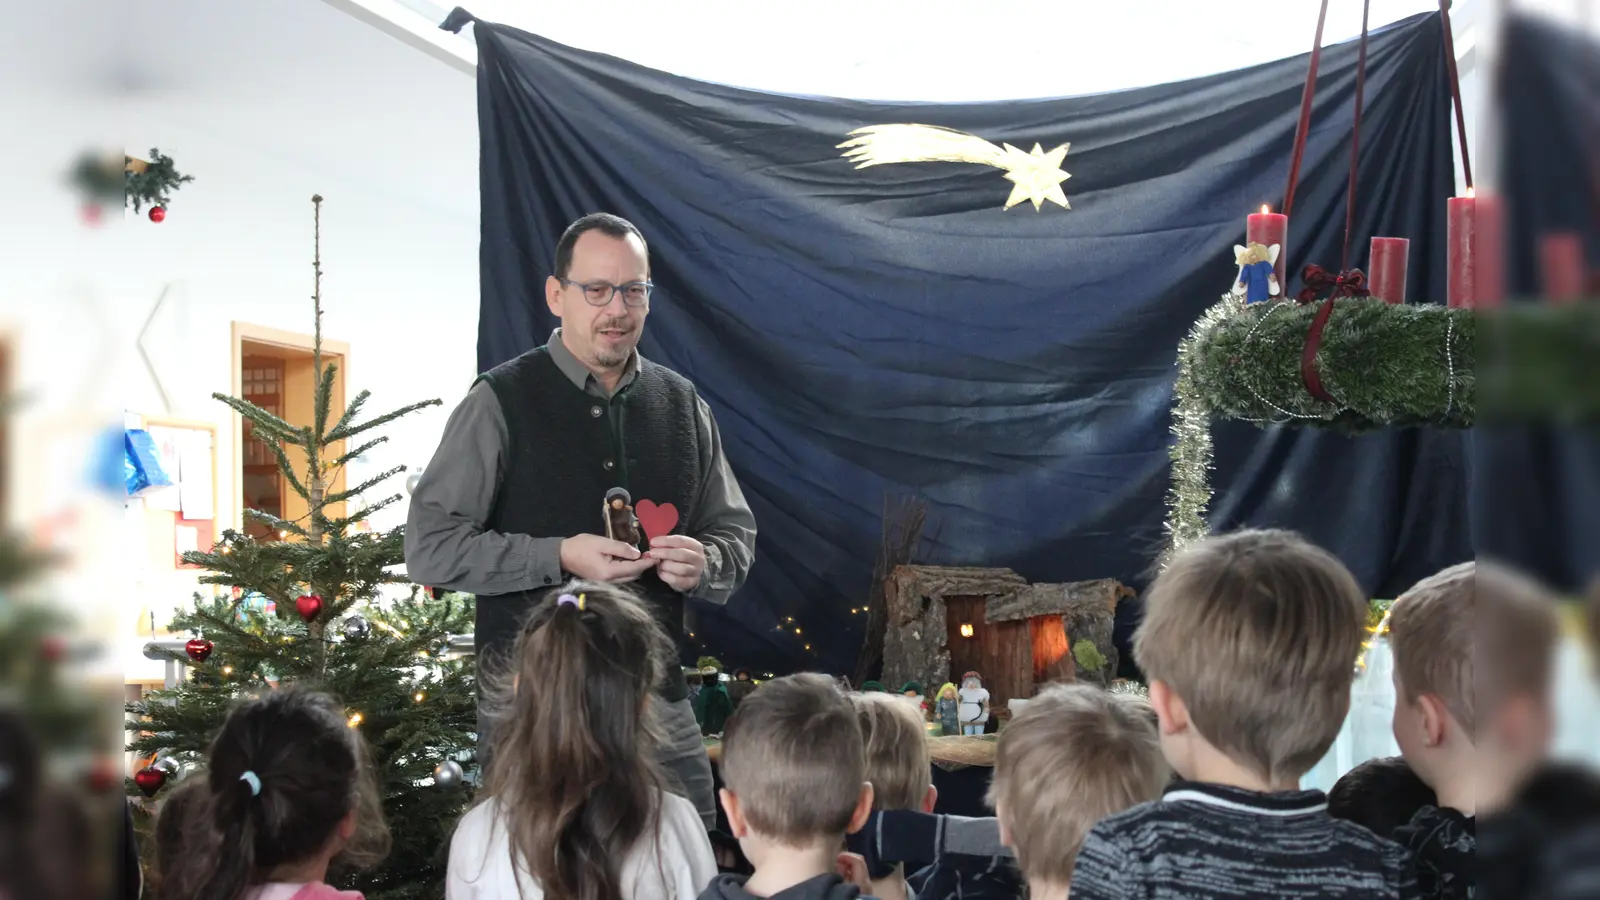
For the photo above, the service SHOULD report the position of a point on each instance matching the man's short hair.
(1519, 628)
(605, 223)
(896, 750)
(792, 754)
(1259, 633)
(1073, 756)
(1432, 634)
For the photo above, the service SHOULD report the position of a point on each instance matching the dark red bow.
(1319, 283)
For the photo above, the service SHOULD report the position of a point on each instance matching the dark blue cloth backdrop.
(894, 330)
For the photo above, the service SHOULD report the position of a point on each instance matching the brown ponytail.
(573, 765)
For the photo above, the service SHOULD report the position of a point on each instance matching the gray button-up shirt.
(447, 545)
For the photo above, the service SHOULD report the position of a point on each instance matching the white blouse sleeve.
(687, 848)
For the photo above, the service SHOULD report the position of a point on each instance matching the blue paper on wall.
(142, 468)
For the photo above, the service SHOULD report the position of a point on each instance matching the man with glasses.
(512, 503)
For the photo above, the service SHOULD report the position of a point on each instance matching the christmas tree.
(320, 606)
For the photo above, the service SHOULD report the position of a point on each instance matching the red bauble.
(150, 780)
(309, 606)
(199, 649)
(157, 214)
(52, 649)
(92, 214)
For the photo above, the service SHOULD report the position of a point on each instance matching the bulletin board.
(183, 516)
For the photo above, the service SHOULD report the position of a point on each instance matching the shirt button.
(609, 464)
(595, 411)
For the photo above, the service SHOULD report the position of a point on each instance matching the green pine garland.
(1388, 366)
(154, 186)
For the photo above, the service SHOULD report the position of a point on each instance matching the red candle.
(1461, 268)
(1268, 228)
(1489, 286)
(1387, 276)
(1561, 265)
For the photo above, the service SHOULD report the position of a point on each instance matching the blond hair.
(896, 751)
(1517, 623)
(792, 754)
(1258, 632)
(1073, 756)
(1431, 634)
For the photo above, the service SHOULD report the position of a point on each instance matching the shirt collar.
(1280, 803)
(578, 373)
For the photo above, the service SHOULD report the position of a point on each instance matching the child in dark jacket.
(793, 763)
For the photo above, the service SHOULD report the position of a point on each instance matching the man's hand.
(595, 558)
(682, 561)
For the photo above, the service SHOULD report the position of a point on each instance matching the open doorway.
(275, 370)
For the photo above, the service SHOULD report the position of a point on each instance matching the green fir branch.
(270, 428)
(350, 413)
(154, 185)
(363, 487)
(350, 431)
(357, 452)
(286, 468)
(275, 523)
(364, 512)
(322, 401)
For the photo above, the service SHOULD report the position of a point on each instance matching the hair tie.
(253, 780)
(574, 600)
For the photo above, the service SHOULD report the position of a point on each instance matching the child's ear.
(730, 805)
(1434, 714)
(1170, 711)
(931, 799)
(858, 819)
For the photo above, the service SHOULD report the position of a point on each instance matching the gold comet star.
(1035, 176)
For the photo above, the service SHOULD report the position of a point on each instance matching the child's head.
(1431, 631)
(1380, 795)
(180, 822)
(1073, 756)
(1518, 627)
(573, 766)
(948, 692)
(896, 753)
(794, 768)
(285, 788)
(1250, 642)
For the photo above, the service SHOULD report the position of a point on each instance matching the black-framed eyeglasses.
(599, 293)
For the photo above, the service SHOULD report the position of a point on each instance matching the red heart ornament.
(150, 779)
(657, 521)
(199, 649)
(309, 606)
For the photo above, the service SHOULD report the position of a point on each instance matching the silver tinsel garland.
(1190, 492)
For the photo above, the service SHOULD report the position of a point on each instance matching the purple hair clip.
(575, 600)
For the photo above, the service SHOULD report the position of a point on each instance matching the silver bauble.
(357, 627)
(411, 481)
(168, 765)
(448, 776)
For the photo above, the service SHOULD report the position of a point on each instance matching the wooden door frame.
(243, 332)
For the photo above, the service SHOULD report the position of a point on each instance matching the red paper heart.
(309, 606)
(150, 779)
(199, 649)
(657, 521)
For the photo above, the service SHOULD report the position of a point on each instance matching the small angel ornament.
(1258, 280)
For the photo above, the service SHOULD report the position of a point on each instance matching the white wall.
(265, 104)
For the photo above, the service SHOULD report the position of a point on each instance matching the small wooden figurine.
(621, 524)
(974, 704)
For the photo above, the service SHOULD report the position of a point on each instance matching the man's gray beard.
(608, 360)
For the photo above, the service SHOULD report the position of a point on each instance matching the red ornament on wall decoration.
(92, 213)
(199, 649)
(309, 606)
(150, 780)
(158, 214)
